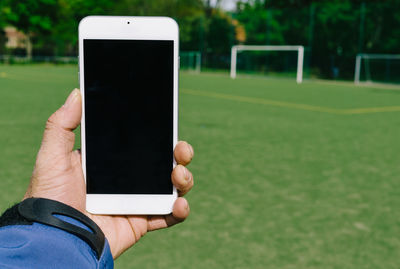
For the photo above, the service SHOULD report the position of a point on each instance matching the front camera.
(129, 22)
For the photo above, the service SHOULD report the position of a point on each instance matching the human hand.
(58, 176)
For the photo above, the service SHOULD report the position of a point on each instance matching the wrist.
(58, 215)
(34, 242)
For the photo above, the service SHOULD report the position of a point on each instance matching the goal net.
(268, 59)
(190, 61)
(381, 68)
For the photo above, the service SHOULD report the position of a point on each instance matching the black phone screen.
(128, 116)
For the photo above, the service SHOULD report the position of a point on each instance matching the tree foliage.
(333, 32)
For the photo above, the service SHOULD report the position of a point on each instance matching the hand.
(58, 176)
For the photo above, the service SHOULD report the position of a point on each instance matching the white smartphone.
(129, 84)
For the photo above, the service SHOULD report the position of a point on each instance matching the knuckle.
(51, 121)
(54, 129)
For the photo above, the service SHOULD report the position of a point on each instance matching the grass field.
(287, 175)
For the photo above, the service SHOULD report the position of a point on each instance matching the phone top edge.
(101, 18)
(108, 27)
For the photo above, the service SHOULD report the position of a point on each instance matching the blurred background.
(288, 175)
(332, 32)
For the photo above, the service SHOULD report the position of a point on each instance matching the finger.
(182, 179)
(180, 212)
(58, 136)
(183, 153)
(78, 156)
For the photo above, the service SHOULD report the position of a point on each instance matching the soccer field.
(287, 175)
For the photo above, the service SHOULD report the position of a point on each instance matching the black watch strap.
(42, 210)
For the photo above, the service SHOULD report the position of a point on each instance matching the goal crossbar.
(299, 49)
(359, 57)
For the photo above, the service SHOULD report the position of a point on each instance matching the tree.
(221, 33)
(32, 17)
(64, 34)
(260, 23)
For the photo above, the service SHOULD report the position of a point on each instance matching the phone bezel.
(129, 28)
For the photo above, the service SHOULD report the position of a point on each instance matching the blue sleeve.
(42, 246)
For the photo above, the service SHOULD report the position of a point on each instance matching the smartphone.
(129, 82)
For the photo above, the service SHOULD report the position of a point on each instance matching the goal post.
(366, 57)
(299, 49)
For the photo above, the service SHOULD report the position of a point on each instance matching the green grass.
(276, 186)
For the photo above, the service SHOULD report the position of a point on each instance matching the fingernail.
(190, 149)
(72, 98)
(187, 206)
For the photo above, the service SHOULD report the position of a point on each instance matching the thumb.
(58, 137)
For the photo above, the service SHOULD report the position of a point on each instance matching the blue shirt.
(42, 246)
